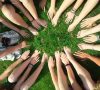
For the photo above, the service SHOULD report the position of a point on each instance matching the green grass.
(54, 38)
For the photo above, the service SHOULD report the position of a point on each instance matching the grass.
(54, 38)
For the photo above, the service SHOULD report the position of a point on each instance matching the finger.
(44, 9)
(48, 15)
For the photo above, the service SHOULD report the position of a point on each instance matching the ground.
(54, 38)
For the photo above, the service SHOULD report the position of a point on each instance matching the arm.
(12, 66)
(13, 48)
(31, 80)
(51, 11)
(19, 70)
(27, 72)
(97, 17)
(77, 4)
(90, 57)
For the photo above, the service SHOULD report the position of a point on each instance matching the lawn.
(51, 39)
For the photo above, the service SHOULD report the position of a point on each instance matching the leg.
(27, 72)
(10, 13)
(11, 26)
(65, 4)
(13, 48)
(19, 70)
(82, 72)
(86, 32)
(26, 13)
(63, 85)
(70, 72)
(84, 46)
(31, 80)
(12, 66)
(90, 4)
(29, 5)
(53, 75)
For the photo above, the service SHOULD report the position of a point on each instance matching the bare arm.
(90, 57)
(77, 4)
(13, 48)
(12, 66)
(53, 2)
(97, 17)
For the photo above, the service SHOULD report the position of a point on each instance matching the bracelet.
(67, 65)
(31, 65)
(73, 10)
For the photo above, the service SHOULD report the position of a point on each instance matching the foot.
(35, 24)
(51, 13)
(84, 46)
(55, 20)
(69, 17)
(42, 4)
(82, 33)
(81, 54)
(88, 23)
(44, 58)
(51, 63)
(25, 55)
(91, 38)
(64, 59)
(42, 22)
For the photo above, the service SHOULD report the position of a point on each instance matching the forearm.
(77, 4)
(54, 79)
(53, 2)
(97, 17)
(70, 74)
(23, 78)
(18, 71)
(31, 80)
(9, 69)
(94, 59)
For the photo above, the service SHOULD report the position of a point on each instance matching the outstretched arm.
(51, 11)
(90, 57)
(51, 65)
(31, 80)
(19, 70)
(70, 72)
(12, 66)
(82, 72)
(70, 15)
(12, 49)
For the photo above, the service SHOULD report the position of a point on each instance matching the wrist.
(73, 10)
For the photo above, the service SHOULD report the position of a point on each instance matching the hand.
(51, 12)
(24, 56)
(91, 38)
(69, 17)
(87, 23)
(81, 54)
(35, 60)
